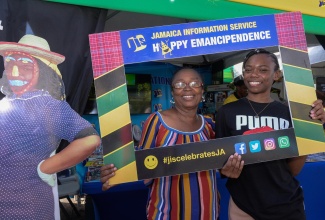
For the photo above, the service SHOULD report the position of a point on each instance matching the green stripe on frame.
(112, 100)
(298, 75)
(121, 157)
(307, 130)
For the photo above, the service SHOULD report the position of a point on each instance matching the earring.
(203, 98)
(172, 100)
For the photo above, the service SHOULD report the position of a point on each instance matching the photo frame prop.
(110, 51)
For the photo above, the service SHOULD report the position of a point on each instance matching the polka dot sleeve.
(63, 121)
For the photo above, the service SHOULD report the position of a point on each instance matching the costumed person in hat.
(240, 91)
(34, 119)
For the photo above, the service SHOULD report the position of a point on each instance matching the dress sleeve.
(64, 122)
(211, 127)
(149, 132)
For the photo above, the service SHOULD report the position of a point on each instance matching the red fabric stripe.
(206, 192)
(106, 52)
(175, 199)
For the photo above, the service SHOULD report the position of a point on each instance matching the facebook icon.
(240, 148)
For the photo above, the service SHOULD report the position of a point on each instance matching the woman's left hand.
(107, 172)
(233, 166)
(317, 111)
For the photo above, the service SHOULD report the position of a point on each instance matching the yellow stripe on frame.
(285, 64)
(308, 7)
(307, 146)
(111, 91)
(124, 174)
(114, 119)
(98, 77)
(310, 122)
(290, 48)
(300, 93)
(112, 152)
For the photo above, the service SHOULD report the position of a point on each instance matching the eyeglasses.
(182, 85)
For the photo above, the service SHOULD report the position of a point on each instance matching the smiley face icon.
(151, 162)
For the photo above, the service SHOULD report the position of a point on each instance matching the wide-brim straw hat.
(33, 45)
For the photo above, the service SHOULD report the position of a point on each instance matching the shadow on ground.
(70, 213)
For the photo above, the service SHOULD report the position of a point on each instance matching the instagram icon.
(269, 144)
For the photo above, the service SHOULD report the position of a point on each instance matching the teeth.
(254, 83)
(17, 82)
(187, 96)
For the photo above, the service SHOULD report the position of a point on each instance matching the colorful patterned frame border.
(113, 107)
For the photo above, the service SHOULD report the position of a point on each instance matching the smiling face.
(259, 74)
(150, 162)
(190, 96)
(21, 71)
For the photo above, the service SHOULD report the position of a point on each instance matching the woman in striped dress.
(186, 196)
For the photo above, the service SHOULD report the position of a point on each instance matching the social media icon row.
(269, 144)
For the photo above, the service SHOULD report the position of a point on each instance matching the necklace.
(257, 114)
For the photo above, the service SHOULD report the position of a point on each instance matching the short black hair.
(262, 51)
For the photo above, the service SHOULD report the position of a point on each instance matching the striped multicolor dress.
(187, 196)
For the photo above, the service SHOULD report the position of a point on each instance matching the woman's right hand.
(107, 172)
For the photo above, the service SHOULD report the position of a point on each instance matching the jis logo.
(138, 42)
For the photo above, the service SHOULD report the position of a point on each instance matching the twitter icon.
(255, 146)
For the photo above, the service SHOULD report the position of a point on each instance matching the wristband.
(50, 179)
